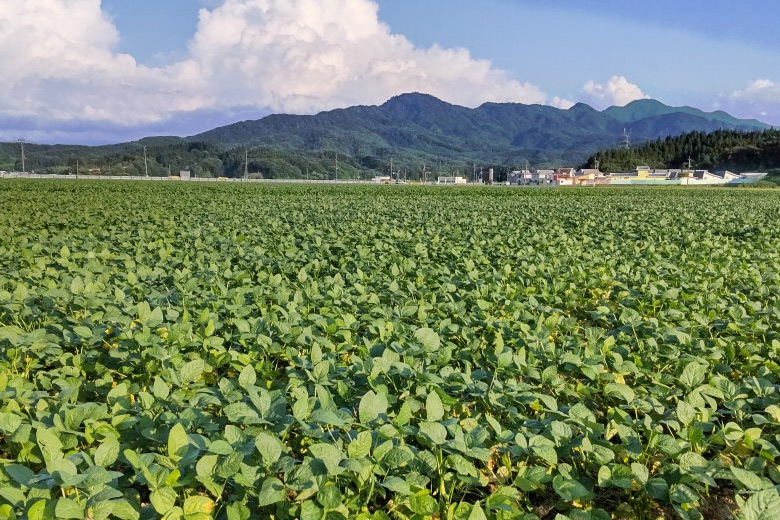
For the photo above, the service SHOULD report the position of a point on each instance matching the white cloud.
(561, 103)
(301, 56)
(760, 100)
(618, 91)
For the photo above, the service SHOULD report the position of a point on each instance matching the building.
(382, 179)
(543, 177)
(185, 175)
(520, 177)
(451, 180)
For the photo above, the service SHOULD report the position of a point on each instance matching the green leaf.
(9, 422)
(22, 475)
(433, 407)
(361, 446)
(248, 377)
(693, 463)
(435, 432)
(238, 511)
(311, 511)
(641, 473)
(621, 390)
(107, 453)
(198, 505)
(428, 338)
(163, 499)
(397, 485)
(329, 496)
(422, 503)
(571, 489)
(371, 407)
(763, 505)
(750, 480)
(269, 446)
(68, 508)
(82, 331)
(693, 374)
(271, 492)
(477, 513)
(192, 371)
(178, 442)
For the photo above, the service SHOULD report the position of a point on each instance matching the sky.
(95, 72)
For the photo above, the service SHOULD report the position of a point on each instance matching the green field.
(193, 351)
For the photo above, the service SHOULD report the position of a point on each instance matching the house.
(543, 177)
(564, 176)
(587, 176)
(382, 179)
(520, 177)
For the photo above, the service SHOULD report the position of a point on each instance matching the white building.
(451, 180)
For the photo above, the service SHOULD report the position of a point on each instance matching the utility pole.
(21, 142)
(77, 167)
(246, 163)
(391, 167)
(146, 166)
(337, 166)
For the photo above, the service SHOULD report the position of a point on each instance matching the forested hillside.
(723, 149)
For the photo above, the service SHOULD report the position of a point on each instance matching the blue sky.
(92, 71)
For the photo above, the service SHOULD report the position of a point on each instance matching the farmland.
(240, 351)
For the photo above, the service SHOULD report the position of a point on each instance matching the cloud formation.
(297, 56)
(760, 99)
(618, 91)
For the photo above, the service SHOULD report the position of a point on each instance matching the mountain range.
(411, 129)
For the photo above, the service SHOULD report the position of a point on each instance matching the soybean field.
(213, 351)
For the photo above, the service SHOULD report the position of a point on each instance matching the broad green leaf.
(423, 503)
(435, 432)
(178, 442)
(433, 407)
(192, 371)
(429, 338)
(163, 499)
(693, 374)
(750, 480)
(68, 508)
(361, 445)
(621, 390)
(238, 511)
(248, 377)
(271, 492)
(763, 505)
(371, 407)
(107, 453)
(269, 446)
(198, 505)
(329, 496)
(571, 489)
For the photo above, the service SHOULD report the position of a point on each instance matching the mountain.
(412, 130)
(493, 132)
